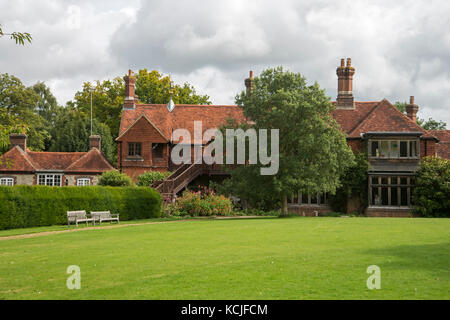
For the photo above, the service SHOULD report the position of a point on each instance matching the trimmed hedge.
(33, 206)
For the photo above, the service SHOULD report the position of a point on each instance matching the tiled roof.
(18, 160)
(182, 116)
(379, 116)
(443, 147)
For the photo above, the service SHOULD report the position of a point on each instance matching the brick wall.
(357, 145)
(427, 148)
(388, 212)
(308, 211)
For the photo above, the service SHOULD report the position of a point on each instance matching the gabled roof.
(143, 116)
(92, 161)
(379, 116)
(182, 116)
(18, 160)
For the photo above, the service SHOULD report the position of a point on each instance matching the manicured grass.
(291, 258)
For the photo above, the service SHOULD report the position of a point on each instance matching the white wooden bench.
(78, 216)
(104, 216)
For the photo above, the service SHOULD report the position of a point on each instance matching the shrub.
(114, 178)
(202, 203)
(33, 206)
(146, 179)
(431, 197)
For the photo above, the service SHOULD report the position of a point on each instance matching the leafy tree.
(432, 124)
(18, 104)
(431, 197)
(146, 179)
(115, 179)
(71, 133)
(107, 102)
(153, 87)
(313, 153)
(429, 124)
(354, 185)
(19, 37)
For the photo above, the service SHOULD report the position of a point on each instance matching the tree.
(431, 197)
(18, 104)
(153, 87)
(430, 124)
(313, 152)
(115, 179)
(19, 37)
(353, 185)
(71, 133)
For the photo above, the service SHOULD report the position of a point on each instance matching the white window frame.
(6, 181)
(81, 182)
(389, 151)
(47, 178)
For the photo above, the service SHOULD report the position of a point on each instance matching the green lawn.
(291, 258)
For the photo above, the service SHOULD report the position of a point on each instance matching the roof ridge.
(26, 157)
(93, 149)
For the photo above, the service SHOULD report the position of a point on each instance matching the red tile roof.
(443, 147)
(30, 161)
(182, 116)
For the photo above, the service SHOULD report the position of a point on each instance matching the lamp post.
(91, 90)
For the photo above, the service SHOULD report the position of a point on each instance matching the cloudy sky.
(399, 48)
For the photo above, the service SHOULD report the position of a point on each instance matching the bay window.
(393, 149)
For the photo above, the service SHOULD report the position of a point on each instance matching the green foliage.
(153, 87)
(71, 131)
(431, 197)
(146, 179)
(107, 102)
(19, 37)
(432, 124)
(202, 203)
(18, 112)
(114, 178)
(313, 149)
(353, 185)
(32, 206)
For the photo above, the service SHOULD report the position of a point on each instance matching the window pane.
(304, 198)
(374, 149)
(138, 148)
(158, 150)
(404, 196)
(413, 149)
(403, 149)
(394, 149)
(374, 180)
(384, 152)
(394, 196)
(384, 180)
(376, 200)
(41, 179)
(57, 180)
(384, 196)
(394, 180)
(403, 180)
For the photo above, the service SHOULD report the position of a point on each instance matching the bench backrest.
(72, 215)
(101, 214)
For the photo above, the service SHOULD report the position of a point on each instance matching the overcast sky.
(399, 48)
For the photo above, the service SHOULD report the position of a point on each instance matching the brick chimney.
(130, 96)
(345, 74)
(249, 83)
(411, 109)
(18, 139)
(95, 142)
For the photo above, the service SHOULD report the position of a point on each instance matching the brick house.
(19, 165)
(394, 142)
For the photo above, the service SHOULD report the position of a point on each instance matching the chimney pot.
(95, 142)
(18, 139)
(249, 83)
(345, 99)
(412, 109)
